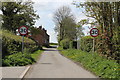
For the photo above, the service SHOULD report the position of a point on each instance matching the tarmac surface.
(53, 65)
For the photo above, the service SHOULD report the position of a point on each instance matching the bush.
(65, 43)
(86, 43)
(12, 44)
(19, 59)
(102, 67)
(70, 44)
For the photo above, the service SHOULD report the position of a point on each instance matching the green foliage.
(53, 43)
(21, 59)
(65, 43)
(16, 14)
(106, 15)
(99, 65)
(65, 24)
(18, 59)
(86, 43)
(70, 44)
(12, 44)
(12, 36)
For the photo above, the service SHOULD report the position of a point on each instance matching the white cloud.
(50, 15)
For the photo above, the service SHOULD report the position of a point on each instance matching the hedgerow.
(86, 43)
(99, 65)
(12, 44)
(12, 47)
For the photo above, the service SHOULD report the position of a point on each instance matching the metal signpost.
(94, 32)
(23, 30)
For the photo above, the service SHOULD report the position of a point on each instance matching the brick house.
(42, 37)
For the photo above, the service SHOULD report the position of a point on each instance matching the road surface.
(53, 65)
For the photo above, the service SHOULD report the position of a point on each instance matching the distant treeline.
(53, 43)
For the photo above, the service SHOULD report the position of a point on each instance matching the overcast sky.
(46, 8)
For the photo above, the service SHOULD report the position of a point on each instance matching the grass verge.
(100, 66)
(36, 54)
(21, 59)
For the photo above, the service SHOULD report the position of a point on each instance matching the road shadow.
(53, 46)
(49, 49)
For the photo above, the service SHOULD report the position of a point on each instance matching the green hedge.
(11, 49)
(86, 43)
(102, 67)
(12, 44)
(65, 43)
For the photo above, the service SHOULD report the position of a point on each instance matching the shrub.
(12, 44)
(18, 59)
(71, 44)
(65, 43)
(68, 44)
(86, 43)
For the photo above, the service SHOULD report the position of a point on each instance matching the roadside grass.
(53, 43)
(18, 59)
(36, 54)
(98, 65)
(21, 59)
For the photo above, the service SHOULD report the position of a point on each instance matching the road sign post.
(94, 32)
(93, 44)
(22, 44)
(23, 30)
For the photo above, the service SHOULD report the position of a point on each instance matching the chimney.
(45, 31)
(40, 27)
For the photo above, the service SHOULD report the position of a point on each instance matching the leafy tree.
(107, 14)
(16, 14)
(65, 23)
(69, 28)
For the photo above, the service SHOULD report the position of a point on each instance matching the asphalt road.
(53, 65)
